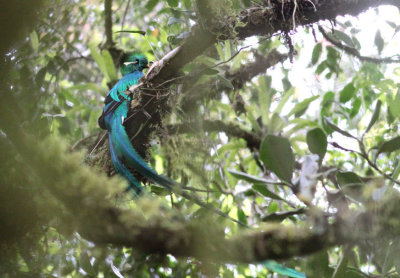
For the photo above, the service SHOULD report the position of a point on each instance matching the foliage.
(327, 102)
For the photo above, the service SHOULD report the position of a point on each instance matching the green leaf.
(84, 263)
(356, 107)
(390, 146)
(262, 188)
(280, 216)
(264, 97)
(246, 177)
(276, 123)
(227, 83)
(174, 20)
(209, 71)
(34, 40)
(348, 179)
(301, 107)
(98, 58)
(277, 155)
(347, 93)
(336, 128)
(151, 4)
(394, 105)
(241, 216)
(160, 191)
(379, 42)
(321, 67)
(375, 115)
(284, 99)
(227, 48)
(318, 265)
(343, 37)
(317, 142)
(173, 3)
(351, 185)
(109, 64)
(316, 54)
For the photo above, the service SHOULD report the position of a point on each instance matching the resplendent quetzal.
(123, 155)
(112, 119)
(115, 112)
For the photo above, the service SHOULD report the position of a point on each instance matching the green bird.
(123, 155)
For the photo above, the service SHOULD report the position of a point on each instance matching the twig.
(108, 23)
(354, 52)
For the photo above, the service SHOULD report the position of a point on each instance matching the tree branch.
(261, 21)
(354, 52)
(238, 78)
(108, 23)
(231, 130)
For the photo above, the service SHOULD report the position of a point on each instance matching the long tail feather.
(283, 270)
(124, 150)
(120, 168)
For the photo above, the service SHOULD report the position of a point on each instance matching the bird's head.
(131, 62)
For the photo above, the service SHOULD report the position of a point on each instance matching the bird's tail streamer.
(283, 270)
(122, 147)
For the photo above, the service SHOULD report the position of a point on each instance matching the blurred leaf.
(318, 265)
(262, 188)
(356, 107)
(347, 93)
(316, 54)
(174, 20)
(84, 263)
(375, 115)
(264, 97)
(336, 128)
(348, 178)
(276, 123)
(241, 216)
(109, 64)
(247, 177)
(280, 216)
(34, 40)
(277, 155)
(286, 96)
(390, 146)
(227, 83)
(159, 191)
(173, 3)
(394, 105)
(343, 37)
(379, 42)
(39, 78)
(317, 142)
(301, 107)
(151, 4)
(209, 71)
(99, 60)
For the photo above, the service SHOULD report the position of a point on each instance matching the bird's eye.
(137, 61)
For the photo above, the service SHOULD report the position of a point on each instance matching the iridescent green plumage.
(123, 154)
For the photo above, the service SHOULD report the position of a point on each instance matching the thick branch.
(262, 21)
